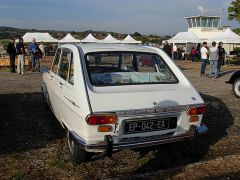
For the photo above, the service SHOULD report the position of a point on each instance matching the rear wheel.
(236, 87)
(77, 155)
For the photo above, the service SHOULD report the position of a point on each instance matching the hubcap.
(237, 88)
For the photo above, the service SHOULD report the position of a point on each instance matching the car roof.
(97, 47)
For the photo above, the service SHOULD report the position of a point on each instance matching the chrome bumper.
(109, 145)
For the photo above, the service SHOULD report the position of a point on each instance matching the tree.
(137, 34)
(237, 30)
(234, 10)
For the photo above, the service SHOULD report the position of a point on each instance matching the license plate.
(150, 125)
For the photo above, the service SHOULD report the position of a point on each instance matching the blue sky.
(127, 16)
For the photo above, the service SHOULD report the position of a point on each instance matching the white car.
(110, 97)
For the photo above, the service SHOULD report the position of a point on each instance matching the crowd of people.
(174, 52)
(36, 52)
(214, 55)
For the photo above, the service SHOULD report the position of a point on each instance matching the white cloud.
(202, 10)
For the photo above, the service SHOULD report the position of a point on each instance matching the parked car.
(235, 81)
(236, 53)
(107, 101)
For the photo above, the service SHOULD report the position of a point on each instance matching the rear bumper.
(108, 143)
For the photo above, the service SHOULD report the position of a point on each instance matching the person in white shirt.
(213, 58)
(204, 58)
(42, 48)
(175, 52)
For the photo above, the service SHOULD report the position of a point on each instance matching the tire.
(77, 155)
(236, 87)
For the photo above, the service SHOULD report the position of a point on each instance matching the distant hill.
(8, 32)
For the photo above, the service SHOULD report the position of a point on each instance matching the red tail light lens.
(196, 110)
(98, 119)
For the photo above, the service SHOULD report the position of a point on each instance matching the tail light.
(196, 110)
(98, 119)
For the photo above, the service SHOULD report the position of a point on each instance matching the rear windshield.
(127, 68)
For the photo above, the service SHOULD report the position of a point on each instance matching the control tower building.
(205, 27)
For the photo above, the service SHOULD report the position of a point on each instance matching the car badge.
(154, 103)
(193, 98)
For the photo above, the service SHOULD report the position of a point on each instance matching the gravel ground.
(33, 145)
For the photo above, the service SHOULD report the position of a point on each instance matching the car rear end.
(137, 106)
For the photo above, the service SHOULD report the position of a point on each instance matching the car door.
(54, 86)
(69, 107)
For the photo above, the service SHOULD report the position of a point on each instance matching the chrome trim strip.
(72, 102)
(153, 111)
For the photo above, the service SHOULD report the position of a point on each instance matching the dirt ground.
(33, 145)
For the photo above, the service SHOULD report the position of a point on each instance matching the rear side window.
(127, 68)
(56, 61)
(71, 71)
(64, 64)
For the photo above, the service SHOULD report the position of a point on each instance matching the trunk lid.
(112, 99)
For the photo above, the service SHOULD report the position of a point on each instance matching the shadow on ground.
(223, 73)
(184, 68)
(217, 118)
(26, 123)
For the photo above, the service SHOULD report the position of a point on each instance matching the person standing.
(213, 58)
(20, 52)
(221, 55)
(42, 48)
(175, 52)
(39, 56)
(204, 58)
(193, 54)
(168, 49)
(11, 50)
(33, 50)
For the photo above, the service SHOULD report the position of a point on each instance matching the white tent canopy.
(185, 37)
(69, 39)
(90, 39)
(111, 40)
(227, 37)
(130, 40)
(40, 37)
